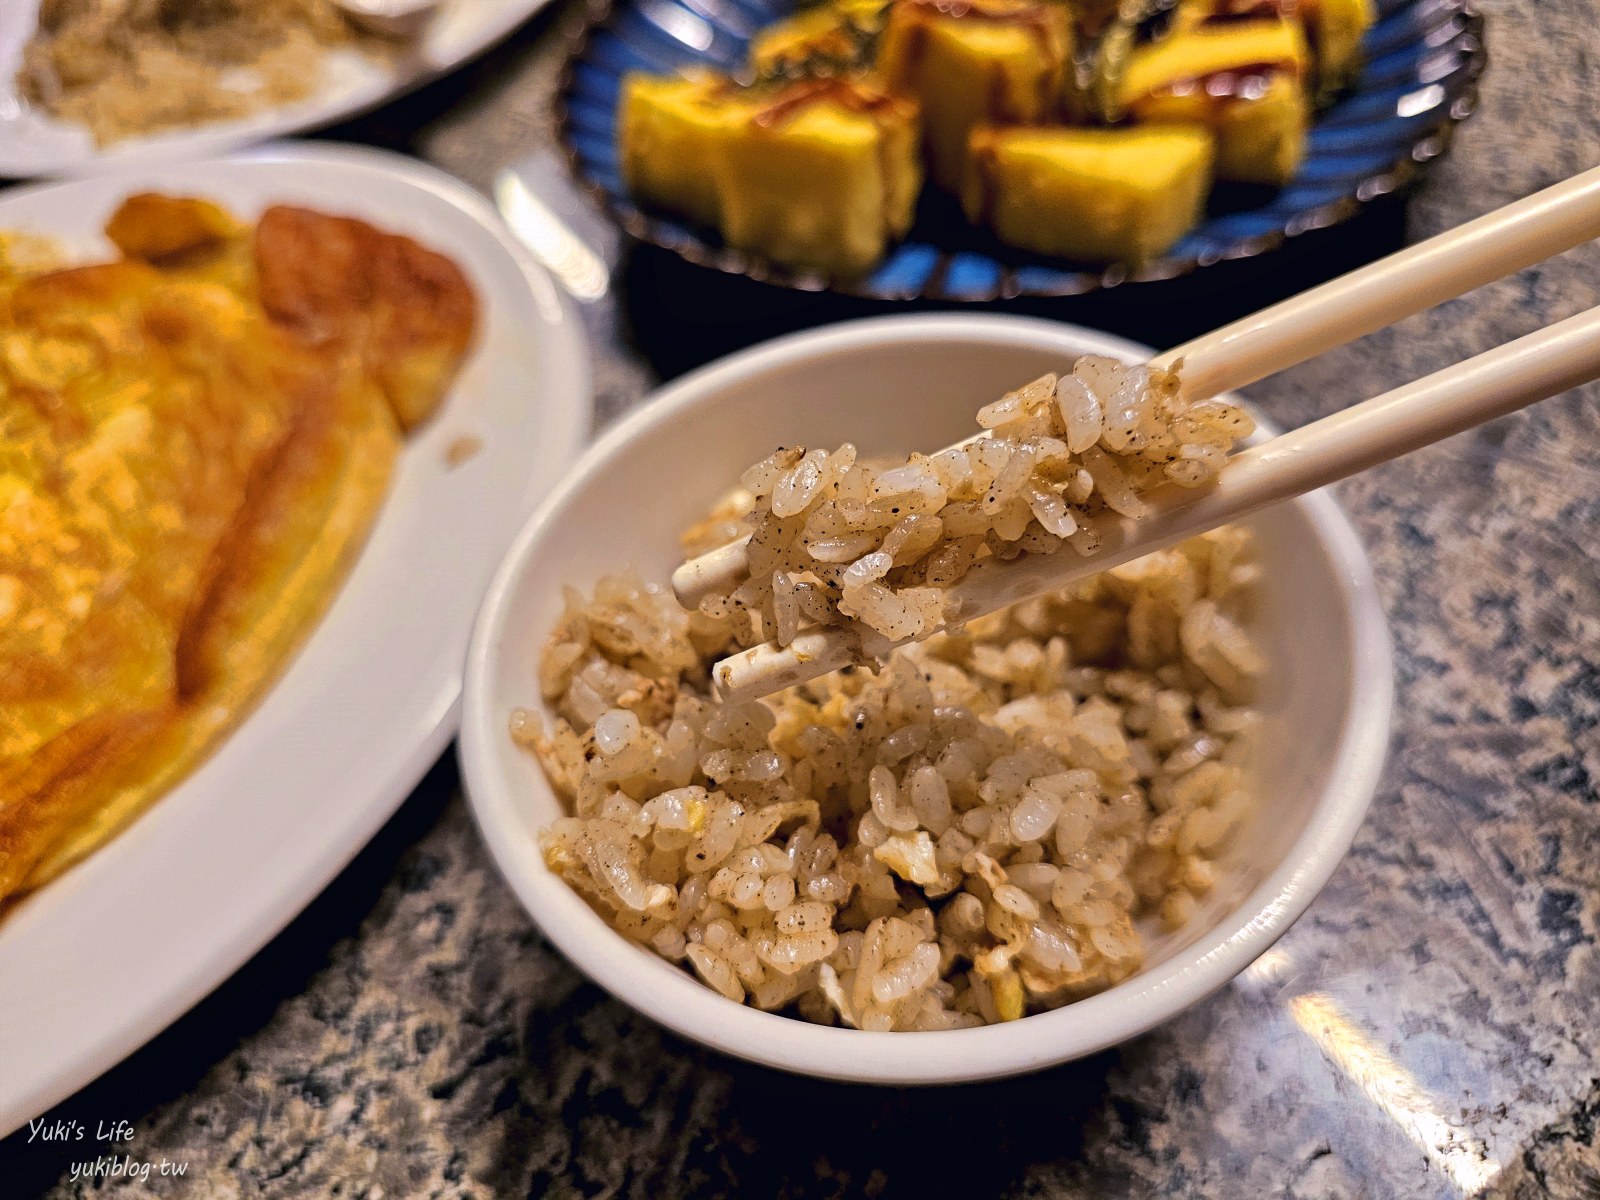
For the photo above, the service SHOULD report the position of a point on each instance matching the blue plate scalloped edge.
(1419, 80)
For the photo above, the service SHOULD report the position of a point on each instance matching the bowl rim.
(672, 998)
(1393, 181)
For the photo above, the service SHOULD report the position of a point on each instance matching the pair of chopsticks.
(1500, 381)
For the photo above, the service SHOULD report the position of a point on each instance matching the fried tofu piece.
(1100, 195)
(1259, 123)
(1244, 81)
(980, 62)
(671, 134)
(821, 174)
(825, 176)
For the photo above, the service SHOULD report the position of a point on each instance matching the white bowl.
(893, 384)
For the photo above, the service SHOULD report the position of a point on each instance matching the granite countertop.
(1431, 1028)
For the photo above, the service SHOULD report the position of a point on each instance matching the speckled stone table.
(1430, 1029)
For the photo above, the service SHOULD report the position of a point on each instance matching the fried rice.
(986, 826)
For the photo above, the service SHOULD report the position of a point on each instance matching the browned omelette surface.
(193, 442)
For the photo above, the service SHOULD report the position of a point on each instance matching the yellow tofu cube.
(824, 176)
(818, 173)
(1102, 195)
(972, 63)
(1259, 123)
(1242, 80)
(671, 134)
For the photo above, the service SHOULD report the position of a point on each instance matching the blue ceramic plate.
(1423, 59)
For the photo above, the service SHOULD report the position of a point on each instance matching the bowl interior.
(890, 385)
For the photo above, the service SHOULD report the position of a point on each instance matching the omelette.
(194, 441)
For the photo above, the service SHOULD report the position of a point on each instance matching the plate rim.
(196, 975)
(214, 140)
(1393, 182)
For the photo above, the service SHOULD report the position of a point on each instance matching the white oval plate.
(32, 143)
(105, 957)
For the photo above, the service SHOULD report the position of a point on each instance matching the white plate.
(104, 958)
(32, 143)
